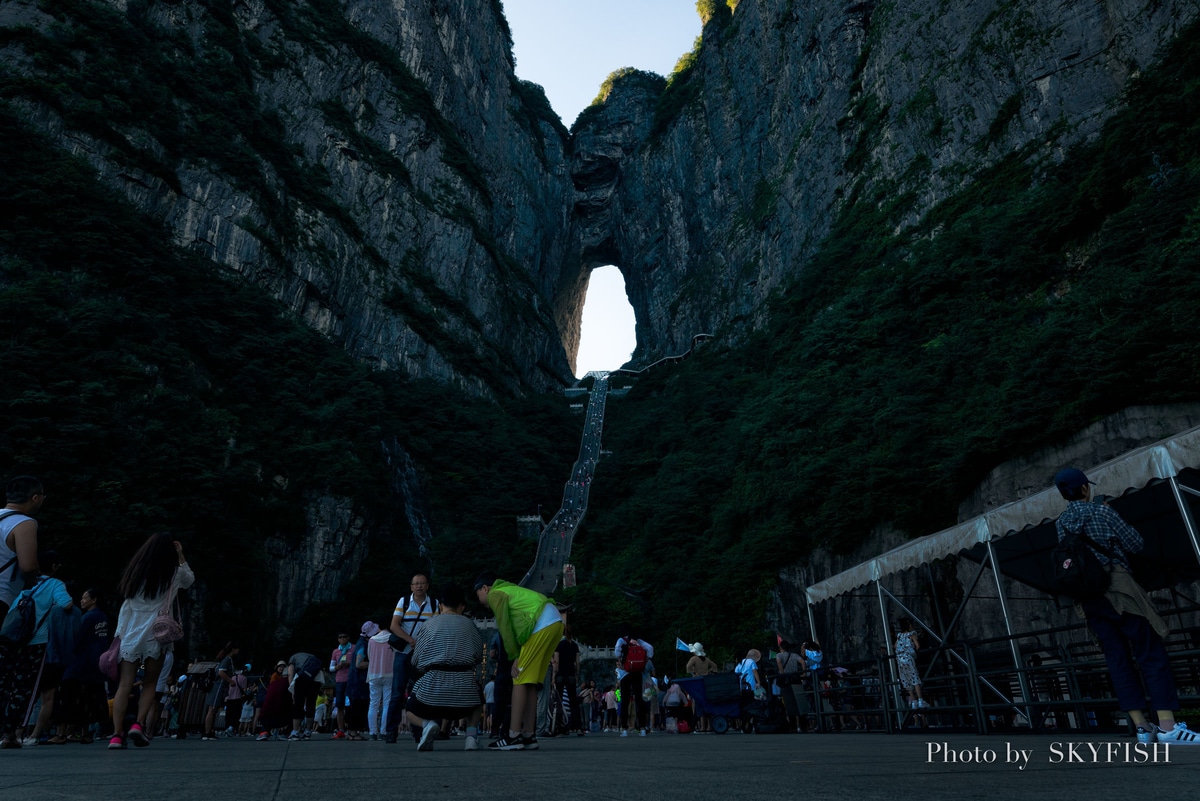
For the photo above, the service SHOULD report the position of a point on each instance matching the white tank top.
(11, 580)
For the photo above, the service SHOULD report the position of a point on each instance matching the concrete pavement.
(857, 767)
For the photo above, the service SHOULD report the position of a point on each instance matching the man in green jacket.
(530, 628)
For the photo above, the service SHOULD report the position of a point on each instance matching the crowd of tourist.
(68, 675)
(427, 673)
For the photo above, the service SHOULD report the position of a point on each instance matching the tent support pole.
(894, 678)
(1022, 679)
(1189, 522)
(937, 601)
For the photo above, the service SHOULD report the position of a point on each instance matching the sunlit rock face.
(796, 107)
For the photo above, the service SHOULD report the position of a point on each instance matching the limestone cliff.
(715, 191)
(376, 166)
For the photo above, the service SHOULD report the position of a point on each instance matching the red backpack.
(635, 657)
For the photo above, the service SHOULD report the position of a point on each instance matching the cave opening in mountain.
(607, 331)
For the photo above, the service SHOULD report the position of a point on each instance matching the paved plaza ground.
(854, 767)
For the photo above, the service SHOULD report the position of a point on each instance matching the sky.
(569, 47)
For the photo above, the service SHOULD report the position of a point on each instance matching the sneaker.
(507, 744)
(10, 742)
(429, 733)
(294, 736)
(30, 741)
(1144, 736)
(922, 703)
(265, 735)
(624, 733)
(531, 743)
(137, 736)
(339, 735)
(117, 743)
(472, 743)
(390, 739)
(1180, 735)
(644, 733)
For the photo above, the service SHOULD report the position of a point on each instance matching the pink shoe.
(137, 736)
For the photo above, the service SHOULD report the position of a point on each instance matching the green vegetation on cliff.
(902, 368)
(151, 391)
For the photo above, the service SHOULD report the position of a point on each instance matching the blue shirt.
(1105, 527)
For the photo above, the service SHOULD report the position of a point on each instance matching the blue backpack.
(21, 622)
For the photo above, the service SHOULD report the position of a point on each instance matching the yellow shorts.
(536, 654)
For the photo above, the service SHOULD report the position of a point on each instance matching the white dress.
(137, 618)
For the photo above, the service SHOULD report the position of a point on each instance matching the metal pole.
(937, 602)
(893, 679)
(812, 621)
(1189, 522)
(1022, 679)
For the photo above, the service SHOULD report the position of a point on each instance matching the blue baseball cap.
(1071, 478)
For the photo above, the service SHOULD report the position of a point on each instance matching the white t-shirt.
(746, 670)
(621, 672)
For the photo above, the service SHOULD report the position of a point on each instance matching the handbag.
(110, 659)
(165, 628)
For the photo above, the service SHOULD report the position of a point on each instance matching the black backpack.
(1078, 572)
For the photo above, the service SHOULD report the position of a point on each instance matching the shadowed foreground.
(660, 766)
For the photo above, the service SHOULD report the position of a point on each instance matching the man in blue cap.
(1123, 619)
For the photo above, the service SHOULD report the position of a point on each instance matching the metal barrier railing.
(975, 686)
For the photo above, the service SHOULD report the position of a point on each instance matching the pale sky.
(570, 47)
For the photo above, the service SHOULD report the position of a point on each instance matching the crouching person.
(447, 651)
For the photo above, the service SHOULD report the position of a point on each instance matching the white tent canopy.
(1133, 470)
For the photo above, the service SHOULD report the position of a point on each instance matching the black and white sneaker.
(507, 744)
(530, 743)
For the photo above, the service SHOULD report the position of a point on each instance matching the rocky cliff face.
(379, 168)
(792, 110)
(313, 570)
(375, 166)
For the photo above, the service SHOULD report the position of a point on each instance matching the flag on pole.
(680, 645)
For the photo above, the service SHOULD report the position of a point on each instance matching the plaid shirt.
(1105, 527)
